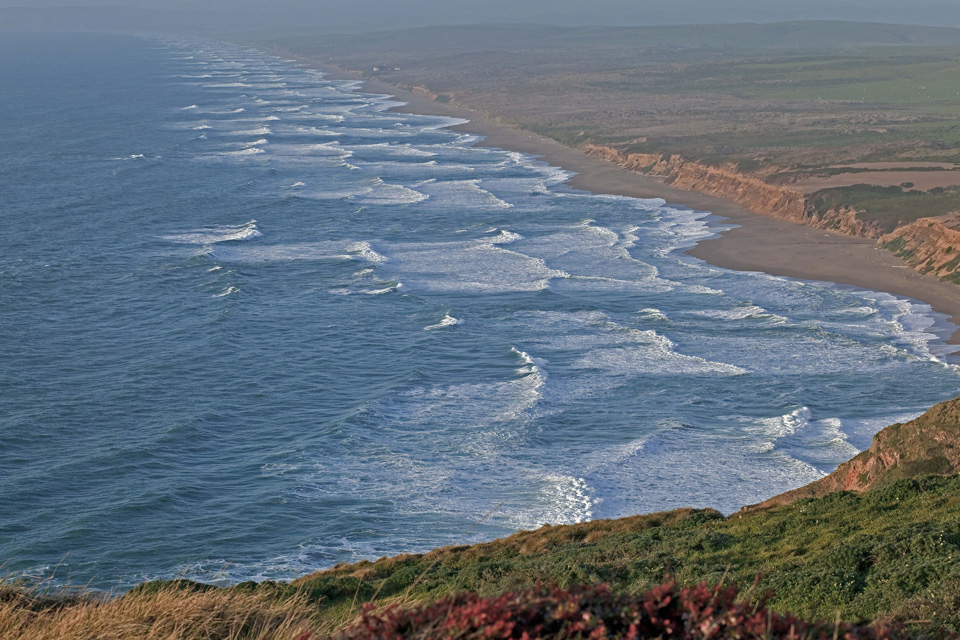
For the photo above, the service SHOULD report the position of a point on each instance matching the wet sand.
(759, 243)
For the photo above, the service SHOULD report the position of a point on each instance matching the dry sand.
(759, 243)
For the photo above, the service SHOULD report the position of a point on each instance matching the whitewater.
(256, 323)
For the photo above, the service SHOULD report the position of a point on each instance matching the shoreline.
(756, 242)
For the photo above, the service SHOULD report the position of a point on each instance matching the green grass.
(892, 552)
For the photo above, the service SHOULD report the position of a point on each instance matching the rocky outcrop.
(928, 445)
(930, 245)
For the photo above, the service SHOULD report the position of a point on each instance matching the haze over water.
(255, 324)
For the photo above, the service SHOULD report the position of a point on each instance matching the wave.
(378, 193)
(396, 149)
(462, 193)
(741, 312)
(821, 444)
(264, 253)
(914, 325)
(652, 314)
(365, 251)
(213, 235)
(380, 292)
(447, 321)
(479, 266)
(226, 292)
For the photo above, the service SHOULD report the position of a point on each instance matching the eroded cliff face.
(927, 445)
(724, 182)
(928, 245)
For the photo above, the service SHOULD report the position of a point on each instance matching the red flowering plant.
(695, 613)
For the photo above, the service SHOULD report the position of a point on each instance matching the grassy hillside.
(891, 553)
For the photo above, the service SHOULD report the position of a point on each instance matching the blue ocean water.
(255, 323)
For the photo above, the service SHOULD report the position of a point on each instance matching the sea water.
(254, 323)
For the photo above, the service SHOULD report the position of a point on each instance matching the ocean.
(256, 323)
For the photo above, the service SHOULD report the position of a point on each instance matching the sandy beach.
(759, 243)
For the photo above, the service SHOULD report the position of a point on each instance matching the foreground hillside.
(843, 126)
(890, 553)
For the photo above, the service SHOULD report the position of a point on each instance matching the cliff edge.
(928, 445)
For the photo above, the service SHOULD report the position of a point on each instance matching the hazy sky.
(384, 14)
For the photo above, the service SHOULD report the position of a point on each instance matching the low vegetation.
(169, 613)
(695, 613)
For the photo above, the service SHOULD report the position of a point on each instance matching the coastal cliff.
(929, 444)
(929, 245)
(724, 182)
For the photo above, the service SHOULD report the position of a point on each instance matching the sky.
(347, 15)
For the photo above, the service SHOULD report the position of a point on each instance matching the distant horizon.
(377, 15)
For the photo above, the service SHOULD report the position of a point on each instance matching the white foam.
(609, 349)
(531, 365)
(822, 444)
(474, 266)
(913, 325)
(653, 314)
(213, 235)
(380, 292)
(447, 321)
(396, 149)
(365, 251)
(250, 151)
(741, 312)
(376, 193)
(564, 500)
(462, 193)
(259, 131)
(226, 292)
(336, 250)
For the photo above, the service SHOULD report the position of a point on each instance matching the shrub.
(695, 613)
